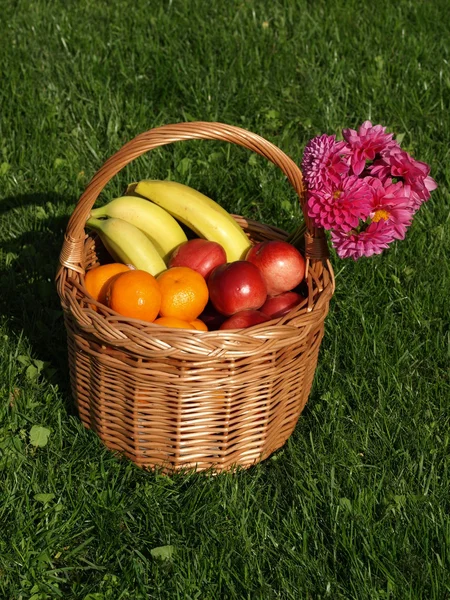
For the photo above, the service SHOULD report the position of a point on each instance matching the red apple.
(277, 306)
(236, 286)
(244, 318)
(281, 265)
(212, 318)
(198, 254)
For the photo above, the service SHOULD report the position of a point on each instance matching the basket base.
(178, 424)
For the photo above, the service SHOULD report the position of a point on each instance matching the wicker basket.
(173, 398)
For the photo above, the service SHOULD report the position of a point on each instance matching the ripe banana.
(201, 214)
(128, 244)
(157, 224)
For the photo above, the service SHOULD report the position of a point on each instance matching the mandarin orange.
(199, 324)
(97, 279)
(135, 294)
(173, 322)
(184, 293)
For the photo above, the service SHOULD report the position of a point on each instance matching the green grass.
(356, 505)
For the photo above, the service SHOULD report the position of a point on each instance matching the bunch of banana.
(142, 229)
(198, 212)
(128, 244)
(157, 224)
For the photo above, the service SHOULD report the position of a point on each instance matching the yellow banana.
(128, 244)
(157, 224)
(201, 214)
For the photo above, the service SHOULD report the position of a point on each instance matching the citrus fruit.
(184, 293)
(173, 322)
(134, 294)
(199, 324)
(97, 279)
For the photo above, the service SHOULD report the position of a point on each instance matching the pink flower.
(366, 143)
(323, 162)
(401, 165)
(381, 169)
(393, 204)
(365, 190)
(341, 205)
(373, 240)
(391, 215)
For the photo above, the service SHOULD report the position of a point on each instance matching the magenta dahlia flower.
(380, 169)
(342, 205)
(323, 161)
(391, 215)
(393, 204)
(366, 143)
(373, 240)
(401, 165)
(365, 189)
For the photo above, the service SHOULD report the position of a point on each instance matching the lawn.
(356, 505)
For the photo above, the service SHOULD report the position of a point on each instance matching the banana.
(128, 244)
(157, 224)
(201, 214)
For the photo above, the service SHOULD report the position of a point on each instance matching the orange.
(134, 294)
(184, 293)
(199, 324)
(97, 279)
(180, 324)
(173, 322)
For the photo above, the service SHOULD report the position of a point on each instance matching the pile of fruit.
(217, 280)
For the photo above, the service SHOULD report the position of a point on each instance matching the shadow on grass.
(29, 302)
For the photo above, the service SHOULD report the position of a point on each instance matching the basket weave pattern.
(181, 398)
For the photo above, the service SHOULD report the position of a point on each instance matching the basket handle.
(72, 250)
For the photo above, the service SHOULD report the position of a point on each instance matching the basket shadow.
(29, 302)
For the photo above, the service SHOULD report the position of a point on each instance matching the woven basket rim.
(106, 327)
